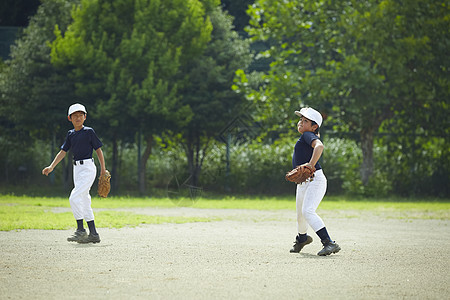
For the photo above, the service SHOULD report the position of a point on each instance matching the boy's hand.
(47, 171)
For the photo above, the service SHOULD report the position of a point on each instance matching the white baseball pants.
(308, 197)
(80, 200)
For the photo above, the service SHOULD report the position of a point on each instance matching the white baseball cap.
(76, 107)
(311, 114)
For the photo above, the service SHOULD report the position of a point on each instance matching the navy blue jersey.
(81, 142)
(303, 150)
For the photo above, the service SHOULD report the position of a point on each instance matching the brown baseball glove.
(301, 173)
(104, 185)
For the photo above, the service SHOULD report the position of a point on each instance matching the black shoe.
(299, 246)
(77, 235)
(328, 248)
(91, 238)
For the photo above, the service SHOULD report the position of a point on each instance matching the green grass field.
(22, 212)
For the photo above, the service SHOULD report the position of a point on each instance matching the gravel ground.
(244, 256)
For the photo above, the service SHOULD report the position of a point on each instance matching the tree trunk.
(190, 159)
(367, 152)
(142, 167)
(195, 156)
(196, 170)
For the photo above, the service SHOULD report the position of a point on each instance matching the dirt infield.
(245, 256)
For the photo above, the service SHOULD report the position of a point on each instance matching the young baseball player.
(82, 140)
(308, 149)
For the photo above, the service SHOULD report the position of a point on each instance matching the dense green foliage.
(208, 92)
(369, 66)
(129, 54)
(156, 76)
(33, 92)
(254, 169)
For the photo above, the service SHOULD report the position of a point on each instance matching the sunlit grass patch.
(22, 212)
(14, 217)
(32, 217)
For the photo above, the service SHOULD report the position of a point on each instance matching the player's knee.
(308, 213)
(75, 198)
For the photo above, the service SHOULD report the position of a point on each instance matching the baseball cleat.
(77, 235)
(91, 238)
(299, 246)
(328, 248)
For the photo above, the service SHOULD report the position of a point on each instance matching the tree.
(30, 84)
(125, 57)
(422, 124)
(32, 90)
(361, 58)
(209, 92)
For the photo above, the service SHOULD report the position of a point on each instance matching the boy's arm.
(317, 152)
(47, 170)
(101, 159)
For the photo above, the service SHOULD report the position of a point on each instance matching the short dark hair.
(314, 123)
